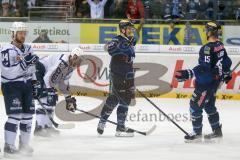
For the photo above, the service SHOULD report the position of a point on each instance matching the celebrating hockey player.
(53, 72)
(214, 67)
(18, 81)
(121, 50)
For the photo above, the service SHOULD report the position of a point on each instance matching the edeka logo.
(158, 34)
(152, 77)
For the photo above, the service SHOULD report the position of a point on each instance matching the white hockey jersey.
(12, 68)
(57, 72)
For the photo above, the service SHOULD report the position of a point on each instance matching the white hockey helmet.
(18, 26)
(77, 51)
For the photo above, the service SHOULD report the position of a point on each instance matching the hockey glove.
(30, 59)
(183, 75)
(227, 76)
(37, 89)
(52, 96)
(71, 103)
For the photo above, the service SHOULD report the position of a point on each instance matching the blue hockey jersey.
(122, 53)
(213, 61)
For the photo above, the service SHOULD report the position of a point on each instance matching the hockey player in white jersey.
(54, 72)
(17, 83)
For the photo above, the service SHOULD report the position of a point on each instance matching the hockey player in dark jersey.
(214, 67)
(121, 50)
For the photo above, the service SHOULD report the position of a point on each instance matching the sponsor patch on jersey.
(207, 50)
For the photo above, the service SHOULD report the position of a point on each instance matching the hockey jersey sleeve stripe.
(64, 62)
(18, 119)
(11, 79)
(23, 65)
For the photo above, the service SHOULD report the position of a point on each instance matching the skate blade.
(124, 134)
(53, 134)
(24, 154)
(99, 135)
(11, 156)
(213, 140)
(42, 135)
(198, 140)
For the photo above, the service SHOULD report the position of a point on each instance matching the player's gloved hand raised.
(227, 76)
(37, 89)
(30, 59)
(71, 103)
(183, 75)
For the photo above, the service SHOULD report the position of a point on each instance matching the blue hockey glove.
(227, 76)
(183, 75)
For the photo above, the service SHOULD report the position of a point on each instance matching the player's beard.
(18, 41)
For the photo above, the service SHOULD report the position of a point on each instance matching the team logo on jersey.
(207, 50)
(16, 102)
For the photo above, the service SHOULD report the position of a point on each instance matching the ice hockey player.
(54, 72)
(214, 67)
(17, 82)
(121, 50)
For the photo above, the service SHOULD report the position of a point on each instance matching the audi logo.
(52, 47)
(143, 48)
(188, 49)
(233, 50)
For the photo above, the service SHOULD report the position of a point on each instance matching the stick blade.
(66, 126)
(151, 130)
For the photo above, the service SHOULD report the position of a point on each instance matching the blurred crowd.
(168, 10)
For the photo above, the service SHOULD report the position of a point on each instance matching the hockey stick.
(154, 105)
(134, 130)
(55, 124)
(236, 66)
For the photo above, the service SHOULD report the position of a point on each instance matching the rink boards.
(154, 74)
(155, 67)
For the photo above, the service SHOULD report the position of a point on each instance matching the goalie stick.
(154, 105)
(55, 124)
(152, 129)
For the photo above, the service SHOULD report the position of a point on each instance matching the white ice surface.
(166, 143)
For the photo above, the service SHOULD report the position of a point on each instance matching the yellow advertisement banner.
(150, 34)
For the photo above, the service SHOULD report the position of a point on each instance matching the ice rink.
(165, 143)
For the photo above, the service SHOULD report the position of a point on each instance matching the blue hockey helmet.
(123, 24)
(212, 29)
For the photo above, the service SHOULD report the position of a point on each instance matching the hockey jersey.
(122, 52)
(57, 72)
(12, 68)
(213, 61)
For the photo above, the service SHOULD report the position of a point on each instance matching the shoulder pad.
(7, 46)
